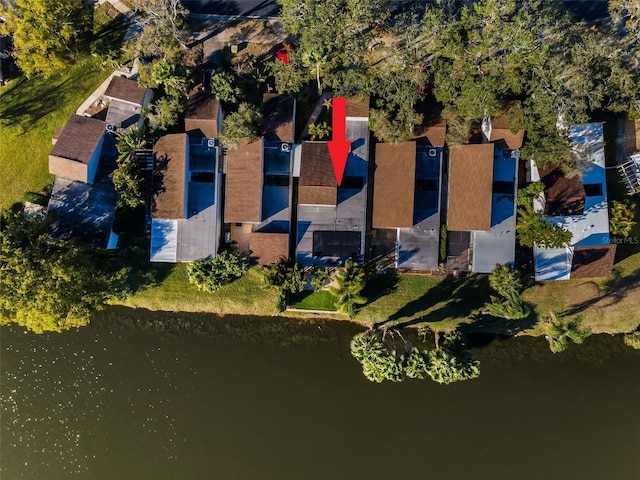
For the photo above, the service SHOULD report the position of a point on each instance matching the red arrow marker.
(339, 146)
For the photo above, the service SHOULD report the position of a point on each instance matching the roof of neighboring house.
(564, 196)
(125, 89)
(170, 176)
(358, 107)
(202, 114)
(269, 247)
(82, 211)
(244, 183)
(317, 184)
(394, 186)
(502, 135)
(470, 187)
(79, 138)
(433, 128)
(278, 117)
(593, 261)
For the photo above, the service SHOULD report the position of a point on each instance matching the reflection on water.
(258, 399)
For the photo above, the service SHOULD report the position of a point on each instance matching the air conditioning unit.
(515, 154)
(111, 128)
(211, 142)
(285, 147)
(432, 152)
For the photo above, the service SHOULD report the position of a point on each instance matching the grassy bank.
(608, 305)
(248, 295)
(30, 112)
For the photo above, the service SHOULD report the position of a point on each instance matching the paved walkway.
(117, 4)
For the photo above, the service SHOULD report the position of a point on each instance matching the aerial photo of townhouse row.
(488, 182)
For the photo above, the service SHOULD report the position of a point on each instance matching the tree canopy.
(48, 35)
(50, 285)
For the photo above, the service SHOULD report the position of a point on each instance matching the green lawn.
(313, 300)
(247, 295)
(411, 298)
(30, 113)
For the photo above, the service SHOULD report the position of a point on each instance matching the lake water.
(254, 399)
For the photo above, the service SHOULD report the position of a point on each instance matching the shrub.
(632, 340)
(210, 274)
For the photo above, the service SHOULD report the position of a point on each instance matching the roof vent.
(285, 147)
(211, 142)
(432, 152)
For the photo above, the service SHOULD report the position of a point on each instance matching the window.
(502, 187)
(593, 189)
(336, 244)
(352, 182)
(426, 185)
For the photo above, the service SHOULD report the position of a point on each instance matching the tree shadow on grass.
(380, 285)
(460, 297)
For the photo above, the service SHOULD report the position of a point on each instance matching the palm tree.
(319, 131)
(558, 332)
(350, 281)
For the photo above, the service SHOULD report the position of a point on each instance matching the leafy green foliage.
(632, 340)
(320, 277)
(164, 29)
(443, 242)
(49, 285)
(164, 114)
(526, 195)
(48, 35)
(350, 281)
(319, 131)
(243, 124)
(532, 230)
(223, 86)
(621, 217)
(382, 362)
(394, 125)
(128, 177)
(507, 283)
(559, 332)
(210, 274)
(160, 73)
(284, 274)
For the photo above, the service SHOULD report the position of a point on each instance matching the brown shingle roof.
(170, 176)
(358, 107)
(277, 117)
(470, 187)
(502, 135)
(269, 247)
(394, 185)
(433, 128)
(79, 138)
(564, 196)
(317, 184)
(244, 183)
(593, 261)
(125, 89)
(201, 116)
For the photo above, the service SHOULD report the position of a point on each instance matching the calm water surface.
(112, 402)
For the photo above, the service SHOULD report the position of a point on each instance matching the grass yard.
(444, 303)
(313, 300)
(246, 295)
(30, 113)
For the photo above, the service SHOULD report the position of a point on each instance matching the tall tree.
(532, 230)
(49, 285)
(163, 29)
(48, 35)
